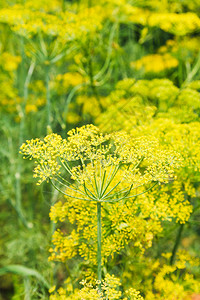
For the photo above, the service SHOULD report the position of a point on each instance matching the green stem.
(19, 213)
(27, 288)
(24, 95)
(53, 201)
(176, 245)
(69, 98)
(92, 84)
(180, 66)
(23, 91)
(99, 244)
(194, 71)
(21, 129)
(48, 105)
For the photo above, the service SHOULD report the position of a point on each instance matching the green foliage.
(23, 271)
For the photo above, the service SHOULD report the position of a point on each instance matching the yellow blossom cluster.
(36, 98)
(170, 6)
(155, 63)
(186, 48)
(9, 62)
(88, 104)
(45, 5)
(116, 233)
(171, 204)
(167, 284)
(161, 280)
(154, 14)
(137, 222)
(177, 24)
(89, 108)
(110, 291)
(194, 85)
(9, 98)
(100, 158)
(63, 244)
(136, 102)
(33, 104)
(66, 25)
(82, 21)
(185, 138)
(68, 80)
(45, 152)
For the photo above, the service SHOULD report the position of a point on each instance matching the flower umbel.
(91, 166)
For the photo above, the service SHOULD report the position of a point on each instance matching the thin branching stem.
(87, 190)
(116, 169)
(74, 197)
(69, 187)
(104, 197)
(133, 196)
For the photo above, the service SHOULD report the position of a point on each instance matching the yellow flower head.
(89, 161)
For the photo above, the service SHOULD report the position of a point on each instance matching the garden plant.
(103, 98)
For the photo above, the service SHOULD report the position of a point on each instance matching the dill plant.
(89, 166)
(76, 27)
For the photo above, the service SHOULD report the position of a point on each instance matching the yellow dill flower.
(101, 157)
(118, 232)
(155, 63)
(136, 103)
(45, 5)
(178, 24)
(195, 85)
(168, 284)
(72, 118)
(67, 246)
(64, 81)
(110, 291)
(9, 62)
(91, 106)
(30, 108)
(133, 294)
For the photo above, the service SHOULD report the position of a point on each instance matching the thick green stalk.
(176, 245)
(99, 244)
